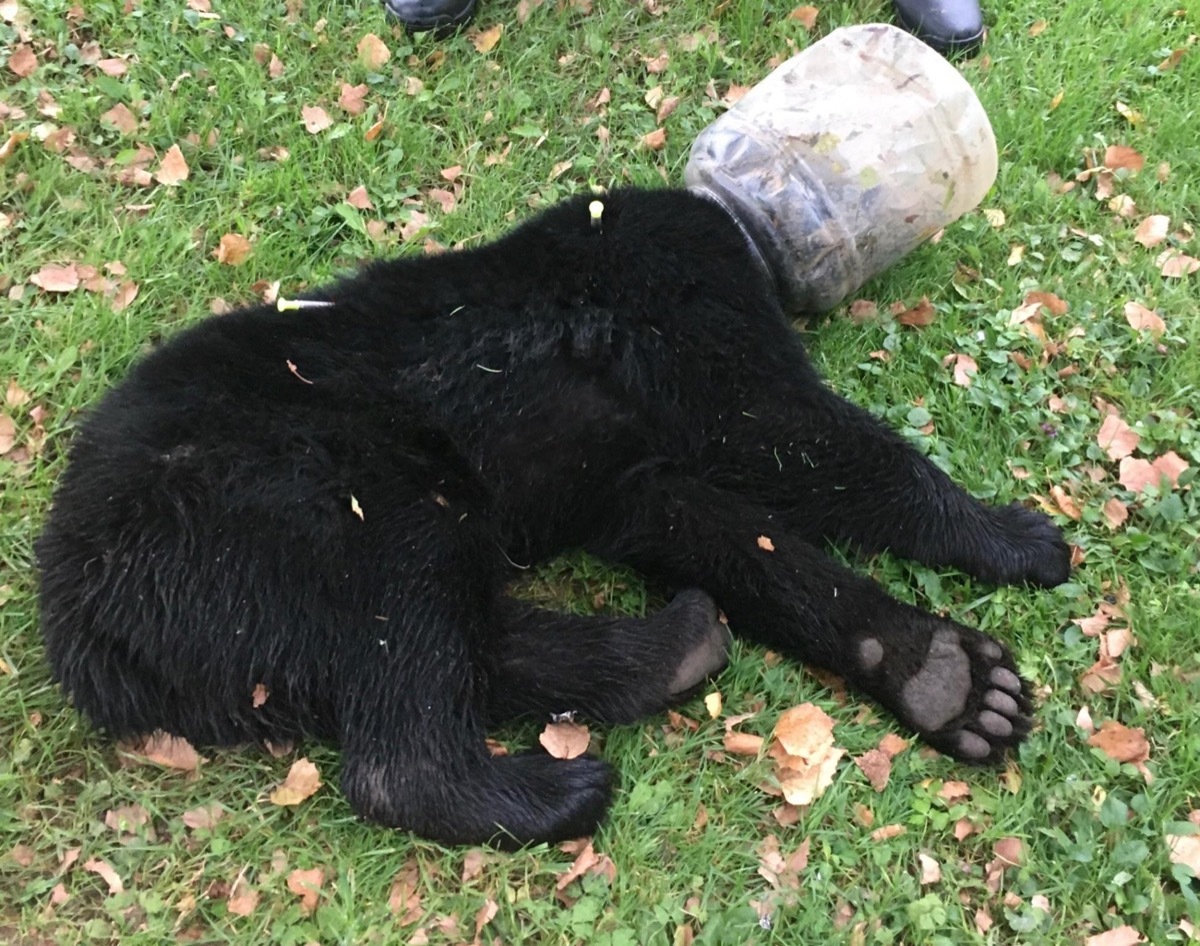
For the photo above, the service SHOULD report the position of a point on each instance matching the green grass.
(1093, 830)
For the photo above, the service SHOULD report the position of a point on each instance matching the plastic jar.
(845, 158)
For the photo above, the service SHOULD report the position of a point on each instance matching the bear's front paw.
(1023, 545)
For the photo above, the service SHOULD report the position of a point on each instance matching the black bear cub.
(330, 502)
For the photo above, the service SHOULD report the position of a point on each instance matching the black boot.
(949, 26)
(442, 16)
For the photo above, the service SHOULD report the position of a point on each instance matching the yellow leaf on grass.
(232, 250)
(805, 16)
(302, 781)
(485, 41)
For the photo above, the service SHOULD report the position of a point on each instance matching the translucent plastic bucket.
(845, 158)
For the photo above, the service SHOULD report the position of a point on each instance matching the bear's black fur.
(330, 502)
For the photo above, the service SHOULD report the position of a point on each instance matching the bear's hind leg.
(409, 682)
(608, 669)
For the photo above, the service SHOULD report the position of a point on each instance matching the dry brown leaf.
(565, 740)
(920, 315)
(1066, 503)
(892, 745)
(804, 730)
(863, 310)
(126, 292)
(15, 395)
(306, 884)
(203, 817)
(1116, 438)
(1144, 319)
(1052, 303)
(734, 94)
(655, 140)
(473, 862)
(1153, 230)
(373, 52)
(1170, 465)
(174, 168)
(586, 861)
(303, 780)
(1184, 849)
(656, 65)
(485, 41)
(1120, 936)
(57, 278)
(10, 144)
(173, 752)
(952, 792)
(242, 899)
(352, 98)
(1102, 677)
(1115, 513)
(316, 119)
(1122, 156)
(443, 198)
(106, 872)
(120, 118)
(232, 250)
(1138, 475)
(358, 198)
(804, 752)
(1176, 265)
(23, 62)
(805, 16)
(404, 898)
(126, 819)
(888, 831)
(781, 871)
(113, 67)
(965, 368)
(669, 104)
(743, 743)
(1010, 850)
(1120, 742)
(876, 765)
(8, 433)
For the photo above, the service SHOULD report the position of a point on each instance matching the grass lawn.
(452, 140)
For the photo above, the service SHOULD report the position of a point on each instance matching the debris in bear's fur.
(328, 503)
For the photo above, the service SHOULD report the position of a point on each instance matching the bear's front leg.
(956, 687)
(835, 472)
